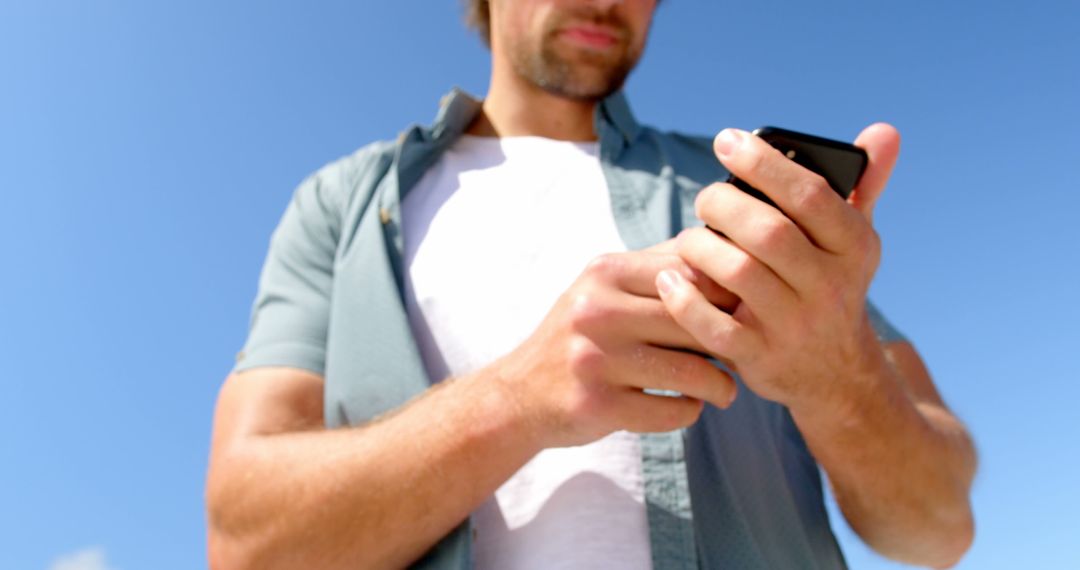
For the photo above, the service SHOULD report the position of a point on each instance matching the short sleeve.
(885, 330)
(291, 311)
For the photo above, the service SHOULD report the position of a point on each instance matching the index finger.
(635, 272)
(803, 196)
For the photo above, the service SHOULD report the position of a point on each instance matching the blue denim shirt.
(738, 489)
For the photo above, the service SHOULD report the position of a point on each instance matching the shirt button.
(384, 216)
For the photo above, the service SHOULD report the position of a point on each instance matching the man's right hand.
(583, 373)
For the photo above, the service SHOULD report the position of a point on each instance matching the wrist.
(855, 395)
(498, 410)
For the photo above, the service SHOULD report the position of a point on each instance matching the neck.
(515, 107)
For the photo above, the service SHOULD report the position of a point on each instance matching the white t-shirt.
(494, 232)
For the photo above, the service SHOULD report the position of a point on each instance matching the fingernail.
(728, 141)
(667, 281)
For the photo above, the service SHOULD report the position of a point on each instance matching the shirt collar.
(457, 109)
(615, 111)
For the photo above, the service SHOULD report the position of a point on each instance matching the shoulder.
(340, 181)
(323, 202)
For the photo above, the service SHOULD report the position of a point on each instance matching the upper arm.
(292, 307)
(277, 383)
(291, 314)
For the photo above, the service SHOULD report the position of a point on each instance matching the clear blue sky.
(147, 150)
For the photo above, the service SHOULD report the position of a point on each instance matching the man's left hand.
(800, 334)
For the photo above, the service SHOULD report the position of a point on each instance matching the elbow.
(222, 553)
(955, 526)
(954, 541)
(227, 550)
(941, 528)
(226, 547)
(939, 542)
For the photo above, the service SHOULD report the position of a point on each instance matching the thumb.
(881, 142)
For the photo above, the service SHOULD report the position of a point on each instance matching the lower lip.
(589, 39)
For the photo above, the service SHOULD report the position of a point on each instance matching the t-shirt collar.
(457, 109)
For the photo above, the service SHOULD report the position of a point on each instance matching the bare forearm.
(900, 470)
(381, 495)
(369, 497)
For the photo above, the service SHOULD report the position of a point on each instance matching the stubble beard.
(576, 73)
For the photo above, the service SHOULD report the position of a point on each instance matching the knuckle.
(678, 304)
(706, 198)
(691, 240)
(587, 311)
(869, 243)
(685, 414)
(753, 156)
(582, 402)
(811, 195)
(604, 267)
(585, 359)
(865, 248)
(697, 374)
(874, 256)
(682, 241)
(717, 338)
(742, 269)
(774, 231)
(585, 405)
(875, 239)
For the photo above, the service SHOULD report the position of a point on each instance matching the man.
(502, 401)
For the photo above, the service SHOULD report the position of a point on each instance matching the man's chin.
(575, 73)
(584, 79)
(587, 93)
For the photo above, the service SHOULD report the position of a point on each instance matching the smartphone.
(839, 163)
